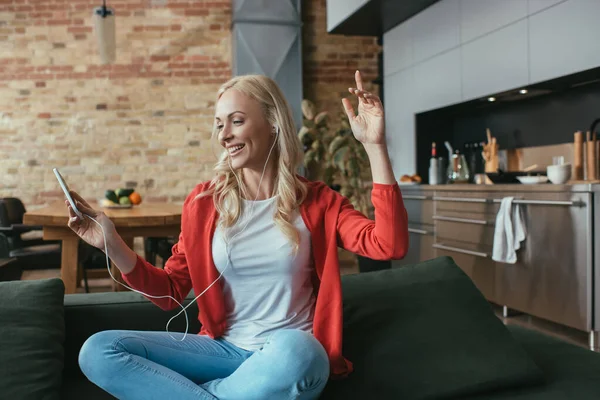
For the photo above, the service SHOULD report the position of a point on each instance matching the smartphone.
(65, 189)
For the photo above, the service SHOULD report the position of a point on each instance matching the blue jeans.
(151, 365)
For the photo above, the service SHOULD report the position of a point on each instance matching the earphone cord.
(209, 286)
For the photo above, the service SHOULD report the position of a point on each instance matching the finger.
(77, 198)
(348, 108)
(368, 98)
(375, 98)
(357, 93)
(74, 220)
(358, 79)
(85, 209)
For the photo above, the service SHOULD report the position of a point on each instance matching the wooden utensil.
(490, 153)
(591, 156)
(578, 156)
(530, 168)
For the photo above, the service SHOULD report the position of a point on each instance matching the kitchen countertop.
(516, 187)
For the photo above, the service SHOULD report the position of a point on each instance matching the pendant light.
(104, 23)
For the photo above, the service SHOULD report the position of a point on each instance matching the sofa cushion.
(571, 372)
(31, 339)
(422, 332)
(77, 387)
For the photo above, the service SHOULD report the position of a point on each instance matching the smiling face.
(243, 130)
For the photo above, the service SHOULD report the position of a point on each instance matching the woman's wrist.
(120, 254)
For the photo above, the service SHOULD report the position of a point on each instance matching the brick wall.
(146, 119)
(331, 60)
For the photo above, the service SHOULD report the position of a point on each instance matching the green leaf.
(328, 174)
(337, 143)
(308, 109)
(339, 158)
(354, 167)
(309, 157)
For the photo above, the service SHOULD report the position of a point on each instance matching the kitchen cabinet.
(419, 207)
(495, 62)
(438, 81)
(464, 230)
(436, 29)
(340, 10)
(535, 6)
(552, 278)
(400, 121)
(479, 17)
(555, 274)
(397, 48)
(564, 39)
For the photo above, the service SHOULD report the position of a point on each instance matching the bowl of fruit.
(120, 198)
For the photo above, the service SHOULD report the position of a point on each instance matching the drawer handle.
(419, 231)
(463, 220)
(415, 197)
(462, 199)
(459, 250)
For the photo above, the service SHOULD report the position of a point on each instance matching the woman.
(272, 326)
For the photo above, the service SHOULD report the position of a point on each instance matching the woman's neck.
(251, 180)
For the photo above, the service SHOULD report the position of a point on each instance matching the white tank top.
(266, 287)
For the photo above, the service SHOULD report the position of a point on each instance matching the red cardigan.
(332, 222)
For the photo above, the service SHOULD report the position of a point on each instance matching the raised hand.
(369, 125)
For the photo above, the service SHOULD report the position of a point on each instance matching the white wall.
(339, 10)
(459, 50)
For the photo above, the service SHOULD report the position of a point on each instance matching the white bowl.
(532, 180)
(559, 174)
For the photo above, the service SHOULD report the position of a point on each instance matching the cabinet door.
(437, 81)
(419, 207)
(479, 267)
(552, 278)
(436, 29)
(339, 10)
(495, 62)
(479, 17)
(397, 48)
(564, 39)
(400, 121)
(535, 6)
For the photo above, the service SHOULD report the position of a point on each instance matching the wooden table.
(144, 220)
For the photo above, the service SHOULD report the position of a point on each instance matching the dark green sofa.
(417, 332)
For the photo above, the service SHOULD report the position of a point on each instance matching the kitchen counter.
(516, 187)
(557, 273)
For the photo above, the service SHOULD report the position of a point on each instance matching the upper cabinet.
(436, 29)
(339, 10)
(535, 6)
(397, 48)
(495, 62)
(564, 39)
(400, 121)
(437, 81)
(479, 17)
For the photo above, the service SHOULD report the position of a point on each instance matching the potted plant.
(333, 155)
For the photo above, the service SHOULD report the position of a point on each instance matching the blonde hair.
(289, 189)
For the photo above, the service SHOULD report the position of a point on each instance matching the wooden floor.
(565, 333)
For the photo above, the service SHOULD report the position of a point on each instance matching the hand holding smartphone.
(65, 189)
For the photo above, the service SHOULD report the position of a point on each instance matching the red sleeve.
(174, 280)
(383, 239)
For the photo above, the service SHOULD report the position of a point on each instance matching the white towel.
(509, 233)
